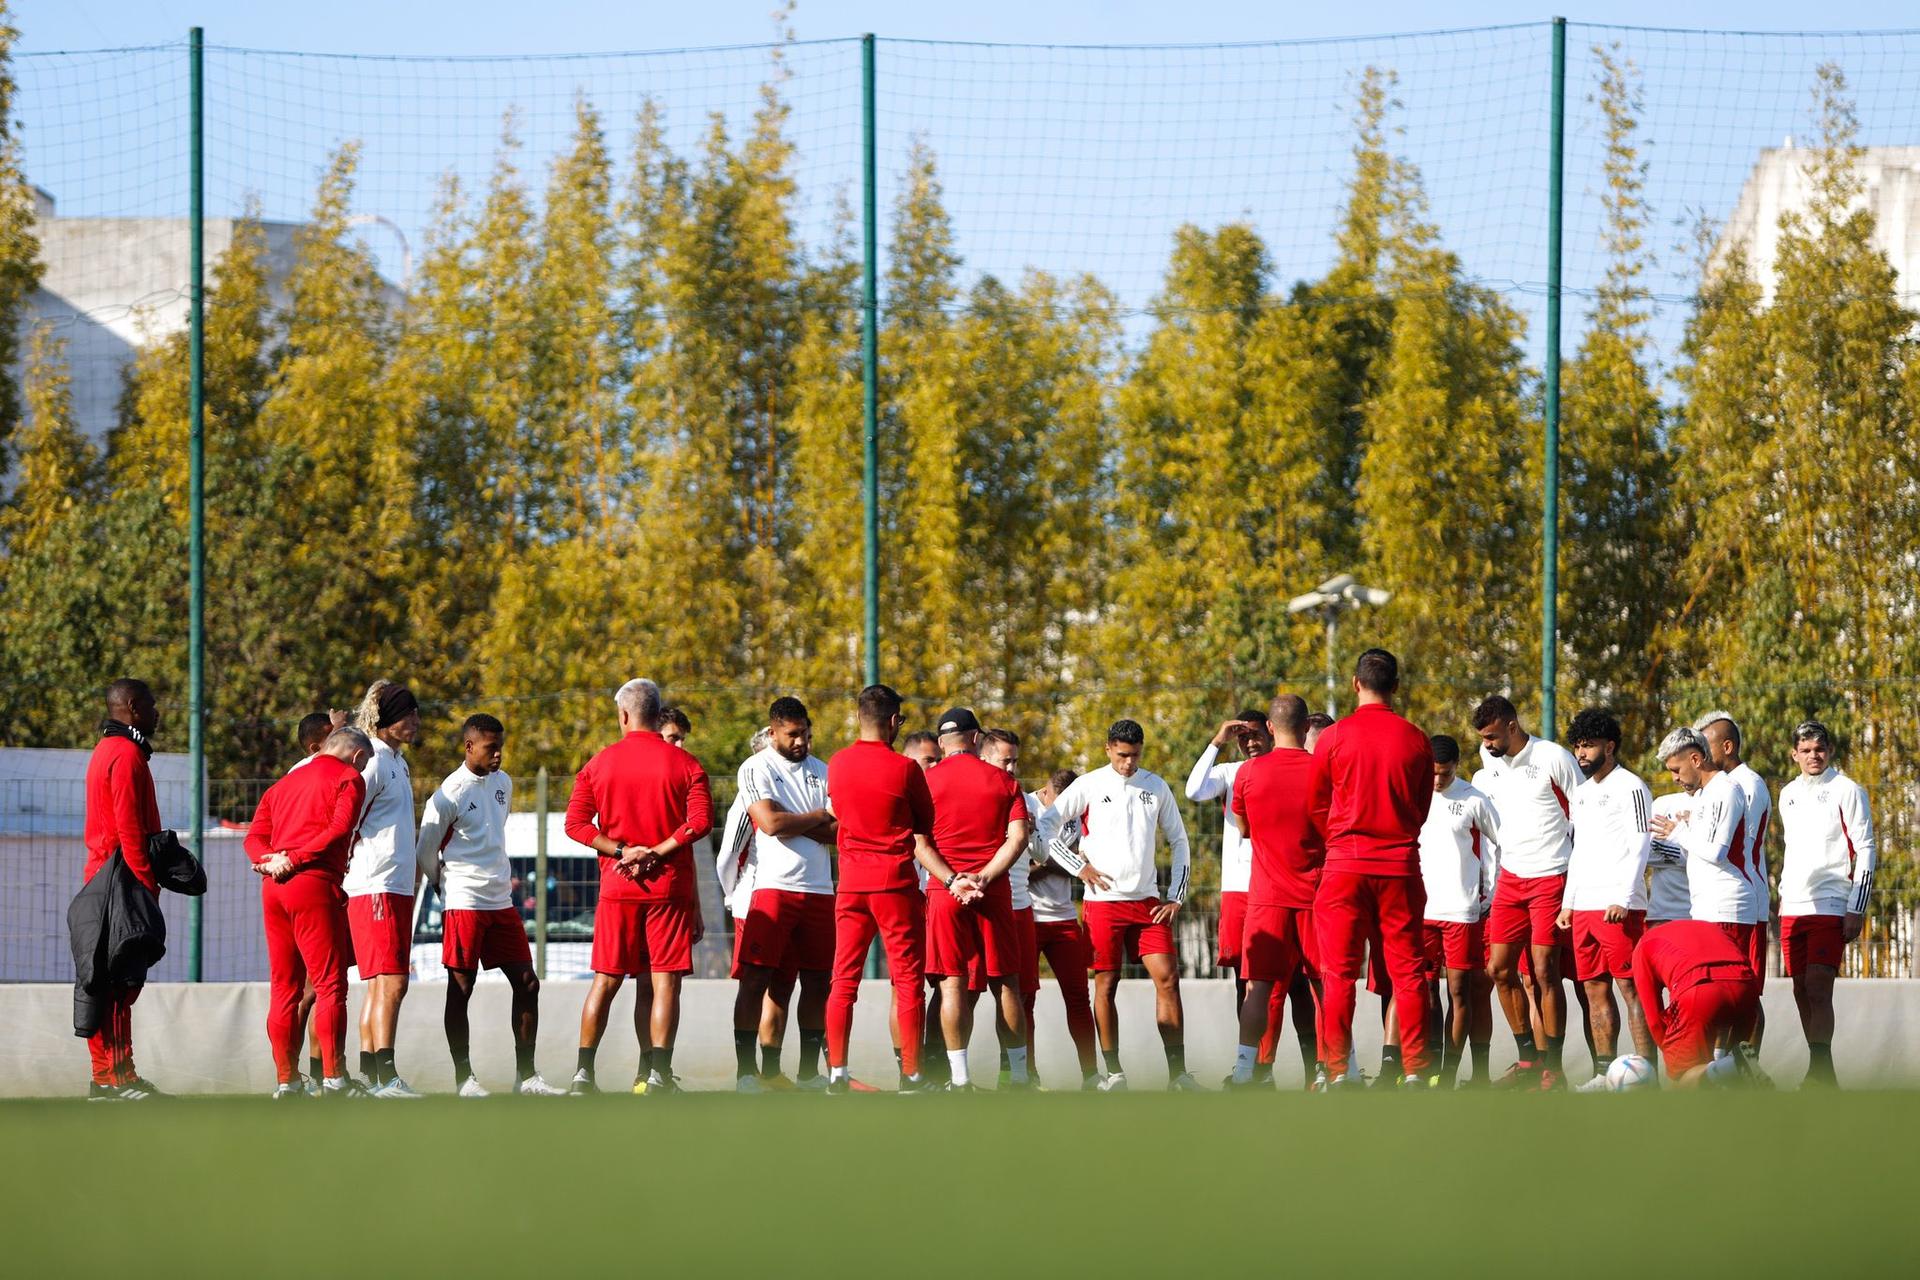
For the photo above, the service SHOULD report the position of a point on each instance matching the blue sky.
(568, 26)
(1066, 160)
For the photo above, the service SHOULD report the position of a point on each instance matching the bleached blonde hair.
(366, 717)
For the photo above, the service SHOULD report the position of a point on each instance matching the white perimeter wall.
(211, 1038)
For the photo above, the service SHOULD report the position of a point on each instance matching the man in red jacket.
(298, 842)
(121, 813)
(641, 804)
(1285, 819)
(1698, 994)
(1373, 773)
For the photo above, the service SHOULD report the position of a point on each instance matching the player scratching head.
(1594, 736)
(1446, 761)
(313, 731)
(1687, 758)
(482, 742)
(790, 729)
(1498, 725)
(1125, 741)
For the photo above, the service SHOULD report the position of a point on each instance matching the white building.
(1778, 184)
(112, 285)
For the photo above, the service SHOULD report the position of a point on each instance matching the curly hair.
(366, 716)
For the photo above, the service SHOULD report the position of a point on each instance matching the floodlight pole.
(1333, 627)
(196, 491)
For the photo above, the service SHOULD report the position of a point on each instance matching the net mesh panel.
(1067, 160)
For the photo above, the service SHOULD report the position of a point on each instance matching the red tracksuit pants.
(899, 917)
(306, 920)
(1070, 953)
(111, 1045)
(1349, 908)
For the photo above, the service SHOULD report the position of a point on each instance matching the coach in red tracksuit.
(1373, 774)
(121, 813)
(299, 841)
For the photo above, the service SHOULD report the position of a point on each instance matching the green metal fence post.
(196, 493)
(540, 875)
(1550, 498)
(870, 358)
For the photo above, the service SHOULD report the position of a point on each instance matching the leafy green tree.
(59, 468)
(20, 266)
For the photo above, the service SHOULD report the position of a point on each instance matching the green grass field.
(1063, 1185)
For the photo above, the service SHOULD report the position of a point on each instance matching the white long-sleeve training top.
(464, 828)
(1611, 841)
(1668, 897)
(1210, 780)
(1532, 791)
(383, 848)
(1125, 818)
(1049, 887)
(1460, 853)
(1828, 826)
(733, 860)
(1711, 827)
(1757, 901)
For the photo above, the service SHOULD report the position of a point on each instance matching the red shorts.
(975, 942)
(1697, 1017)
(1049, 935)
(787, 930)
(1233, 927)
(1453, 945)
(1275, 943)
(484, 939)
(1742, 936)
(382, 928)
(1123, 931)
(632, 939)
(1563, 952)
(1757, 952)
(1525, 908)
(1602, 950)
(1806, 940)
(1028, 940)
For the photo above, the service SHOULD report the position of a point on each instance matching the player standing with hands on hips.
(1126, 810)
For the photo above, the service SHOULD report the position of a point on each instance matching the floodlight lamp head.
(1334, 586)
(1311, 600)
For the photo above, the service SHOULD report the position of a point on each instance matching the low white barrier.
(211, 1038)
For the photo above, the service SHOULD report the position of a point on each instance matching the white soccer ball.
(1629, 1072)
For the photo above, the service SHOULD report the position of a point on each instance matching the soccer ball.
(1629, 1072)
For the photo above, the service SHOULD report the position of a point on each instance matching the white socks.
(836, 1074)
(1243, 1060)
(957, 1063)
(1017, 1064)
(1723, 1069)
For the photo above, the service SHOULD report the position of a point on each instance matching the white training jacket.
(383, 846)
(733, 862)
(1049, 887)
(1668, 897)
(1611, 841)
(1460, 853)
(1533, 792)
(1213, 781)
(1753, 859)
(1828, 869)
(1711, 827)
(464, 829)
(1125, 818)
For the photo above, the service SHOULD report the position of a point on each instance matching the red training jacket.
(640, 791)
(309, 815)
(1274, 799)
(121, 809)
(881, 800)
(1374, 773)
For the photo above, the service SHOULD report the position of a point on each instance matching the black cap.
(958, 720)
